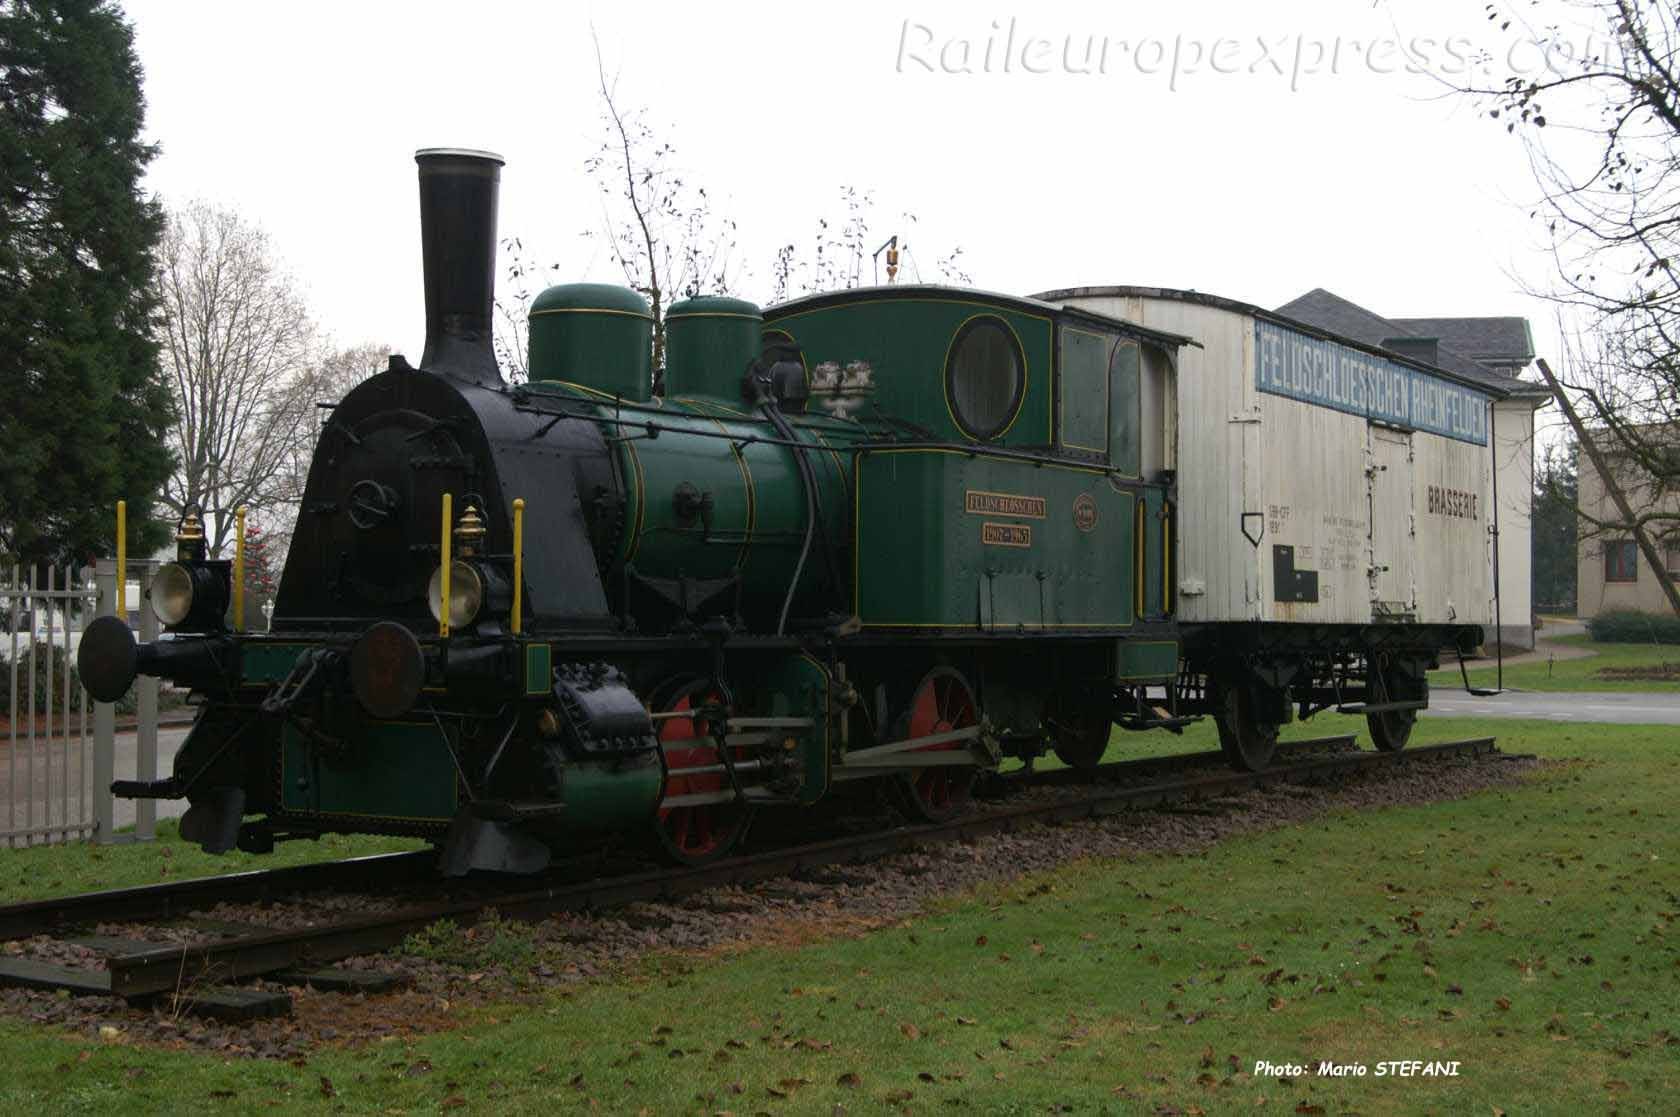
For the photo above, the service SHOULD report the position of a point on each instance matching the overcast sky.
(1057, 144)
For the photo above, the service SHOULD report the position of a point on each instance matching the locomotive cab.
(1022, 506)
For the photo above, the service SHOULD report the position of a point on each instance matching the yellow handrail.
(443, 587)
(122, 560)
(518, 561)
(239, 569)
(1166, 559)
(1139, 573)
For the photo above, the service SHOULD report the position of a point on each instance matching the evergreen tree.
(83, 406)
(1555, 528)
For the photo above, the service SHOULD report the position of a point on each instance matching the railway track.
(161, 902)
(139, 970)
(1151, 765)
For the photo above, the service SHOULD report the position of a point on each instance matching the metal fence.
(61, 748)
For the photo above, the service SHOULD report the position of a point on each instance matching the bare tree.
(1601, 127)
(237, 345)
(523, 279)
(845, 254)
(666, 239)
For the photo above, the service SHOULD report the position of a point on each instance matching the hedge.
(168, 698)
(1630, 626)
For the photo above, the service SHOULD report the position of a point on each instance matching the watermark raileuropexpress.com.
(1012, 46)
(1387, 1068)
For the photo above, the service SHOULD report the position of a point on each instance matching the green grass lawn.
(1573, 674)
(1529, 935)
(42, 872)
(1202, 736)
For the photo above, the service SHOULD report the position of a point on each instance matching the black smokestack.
(458, 243)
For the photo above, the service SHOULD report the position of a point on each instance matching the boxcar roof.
(943, 291)
(1491, 383)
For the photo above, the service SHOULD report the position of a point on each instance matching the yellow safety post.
(518, 560)
(239, 569)
(1166, 558)
(122, 560)
(443, 569)
(1139, 573)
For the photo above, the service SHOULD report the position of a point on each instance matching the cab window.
(1125, 420)
(984, 377)
(1083, 390)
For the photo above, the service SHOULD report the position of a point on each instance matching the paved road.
(1617, 707)
(52, 760)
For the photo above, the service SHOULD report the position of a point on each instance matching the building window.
(1674, 561)
(1621, 561)
(984, 378)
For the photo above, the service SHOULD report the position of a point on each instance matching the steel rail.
(1148, 765)
(168, 901)
(168, 968)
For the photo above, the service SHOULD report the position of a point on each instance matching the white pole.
(105, 722)
(145, 743)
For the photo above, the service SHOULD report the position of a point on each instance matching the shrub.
(169, 698)
(493, 941)
(436, 942)
(1630, 626)
(61, 665)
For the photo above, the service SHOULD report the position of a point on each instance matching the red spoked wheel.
(942, 701)
(692, 833)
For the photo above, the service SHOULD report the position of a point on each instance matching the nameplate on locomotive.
(980, 503)
(1006, 535)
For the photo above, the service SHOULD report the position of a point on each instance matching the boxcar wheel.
(942, 701)
(1391, 729)
(1080, 732)
(692, 834)
(1248, 744)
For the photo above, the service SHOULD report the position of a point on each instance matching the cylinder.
(615, 795)
(595, 335)
(709, 342)
(458, 191)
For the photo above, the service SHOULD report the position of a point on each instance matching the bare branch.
(237, 344)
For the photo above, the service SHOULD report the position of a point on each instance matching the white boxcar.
(1319, 481)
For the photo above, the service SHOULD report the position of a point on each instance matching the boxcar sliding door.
(1393, 528)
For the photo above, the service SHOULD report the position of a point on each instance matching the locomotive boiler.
(878, 539)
